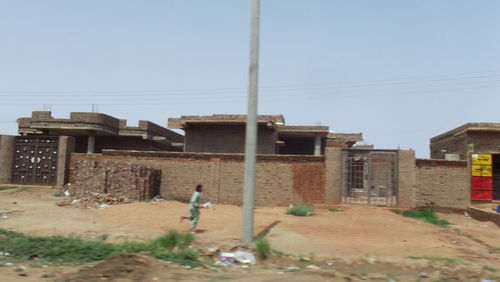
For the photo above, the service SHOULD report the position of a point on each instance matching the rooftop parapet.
(472, 126)
(183, 121)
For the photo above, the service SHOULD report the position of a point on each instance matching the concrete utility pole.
(251, 129)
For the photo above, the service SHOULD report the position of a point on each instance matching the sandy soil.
(352, 243)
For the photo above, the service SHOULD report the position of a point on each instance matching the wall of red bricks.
(113, 177)
(281, 180)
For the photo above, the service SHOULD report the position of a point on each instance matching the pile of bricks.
(111, 182)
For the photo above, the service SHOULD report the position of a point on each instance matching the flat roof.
(472, 126)
(346, 137)
(183, 121)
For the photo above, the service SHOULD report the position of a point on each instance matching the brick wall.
(6, 155)
(65, 147)
(281, 180)
(113, 177)
(444, 183)
(120, 143)
(407, 179)
(484, 142)
(333, 175)
(210, 138)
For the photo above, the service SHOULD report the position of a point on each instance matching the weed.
(279, 253)
(57, 194)
(433, 260)
(2, 188)
(20, 189)
(263, 248)
(489, 268)
(426, 214)
(218, 277)
(300, 209)
(174, 239)
(70, 250)
(335, 210)
(55, 249)
(185, 257)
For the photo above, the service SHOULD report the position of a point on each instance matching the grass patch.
(218, 277)
(489, 268)
(428, 215)
(433, 260)
(279, 253)
(300, 209)
(263, 248)
(172, 246)
(173, 239)
(20, 189)
(57, 194)
(335, 210)
(2, 188)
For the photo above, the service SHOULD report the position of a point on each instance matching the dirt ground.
(357, 243)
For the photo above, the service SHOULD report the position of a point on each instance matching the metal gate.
(370, 177)
(35, 160)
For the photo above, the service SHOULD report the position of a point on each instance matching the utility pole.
(251, 129)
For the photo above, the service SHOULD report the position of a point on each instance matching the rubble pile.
(94, 200)
(97, 183)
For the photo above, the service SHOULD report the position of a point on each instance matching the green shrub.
(56, 249)
(59, 249)
(263, 248)
(174, 239)
(427, 215)
(300, 209)
(185, 257)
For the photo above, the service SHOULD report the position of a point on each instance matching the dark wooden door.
(496, 176)
(35, 160)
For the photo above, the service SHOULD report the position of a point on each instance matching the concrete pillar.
(90, 144)
(317, 145)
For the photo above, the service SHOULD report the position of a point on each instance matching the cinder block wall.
(227, 139)
(6, 155)
(444, 183)
(281, 180)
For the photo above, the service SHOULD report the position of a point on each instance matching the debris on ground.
(94, 200)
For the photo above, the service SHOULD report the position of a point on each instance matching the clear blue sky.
(401, 72)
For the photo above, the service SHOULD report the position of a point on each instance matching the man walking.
(194, 208)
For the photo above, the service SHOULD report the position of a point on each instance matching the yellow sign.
(481, 159)
(481, 170)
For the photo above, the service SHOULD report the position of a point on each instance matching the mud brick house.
(479, 144)
(99, 153)
(95, 131)
(226, 134)
(40, 155)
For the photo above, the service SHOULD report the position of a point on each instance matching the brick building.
(478, 143)
(40, 155)
(226, 134)
(95, 131)
(98, 153)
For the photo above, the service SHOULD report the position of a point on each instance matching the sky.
(400, 72)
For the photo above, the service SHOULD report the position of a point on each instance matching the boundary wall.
(444, 183)
(281, 180)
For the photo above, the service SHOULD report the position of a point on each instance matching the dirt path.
(355, 236)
